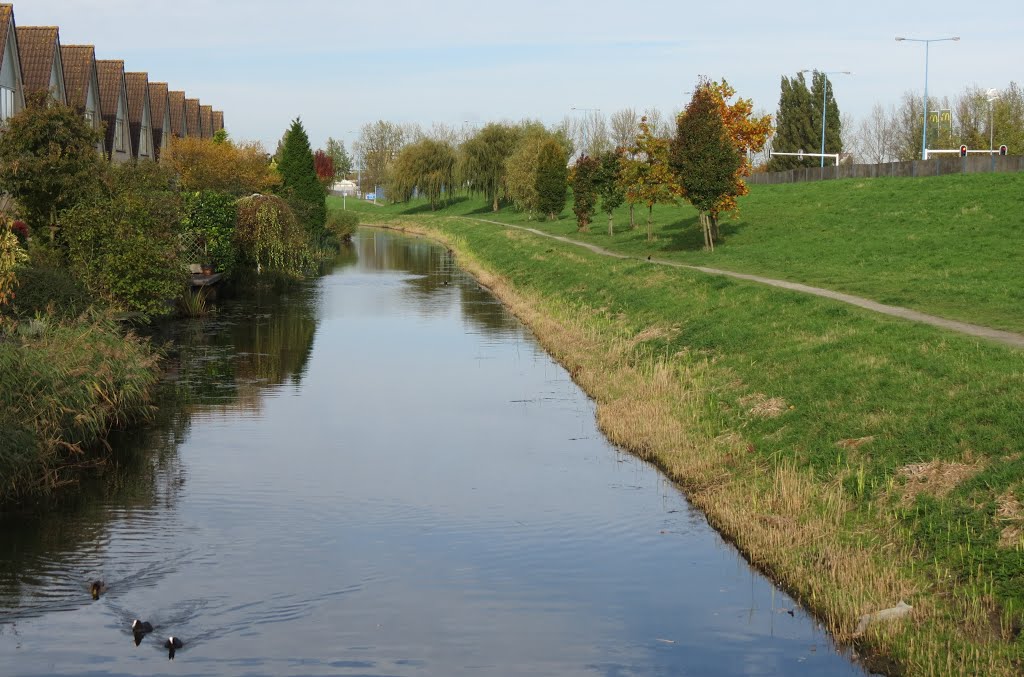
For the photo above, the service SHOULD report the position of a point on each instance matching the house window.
(119, 134)
(144, 141)
(89, 117)
(6, 103)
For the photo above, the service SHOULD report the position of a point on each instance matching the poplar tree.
(584, 191)
(300, 187)
(795, 125)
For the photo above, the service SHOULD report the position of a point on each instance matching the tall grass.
(65, 386)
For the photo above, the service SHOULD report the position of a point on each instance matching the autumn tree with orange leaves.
(746, 133)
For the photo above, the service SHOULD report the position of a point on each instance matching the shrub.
(269, 236)
(212, 216)
(124, 243)
(220, 166)
(46, 289)
(11, 257)
(48, 159)
(342, 223)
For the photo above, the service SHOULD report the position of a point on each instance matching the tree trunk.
(650, 233)
(611, 225)
(494, 205)
(632, 222)
(714, 228)
(705, 224)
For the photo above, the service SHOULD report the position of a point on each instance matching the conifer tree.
(551, 178)
(300, 186)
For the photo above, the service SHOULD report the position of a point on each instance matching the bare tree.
(445, 133)
(571, 127)
(625, 125)
(378, 145)
(596, 133)
(660, 126)
(876, 136)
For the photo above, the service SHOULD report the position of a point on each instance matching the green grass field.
(951, 246)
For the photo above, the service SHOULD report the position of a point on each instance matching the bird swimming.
(172, 644)
(96, 588)
(140, 629)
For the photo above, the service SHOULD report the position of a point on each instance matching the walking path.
(1006, 337)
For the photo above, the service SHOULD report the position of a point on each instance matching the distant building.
(114, 105)
(344, 187)
(176, 109)
(218, 121)
(12, 88)
(192, 118)
(42, 69)
(206, 121)
(161, 112)
(82, 84)
(140, 115)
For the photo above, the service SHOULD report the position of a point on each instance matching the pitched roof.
(138, 92)
(192, 113)
(6, 19)
(78, 65)
(176, 100)
(218, 120)
(157, 109)
(206, 121)
(37, 45)
(111, 75)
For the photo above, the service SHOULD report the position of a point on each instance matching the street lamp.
(585, 110)
(927, 43)
(824, 93)
(993, 94)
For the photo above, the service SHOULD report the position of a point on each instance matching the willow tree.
(521, 166)
(426, 166)
(481, 165)
(703, 157)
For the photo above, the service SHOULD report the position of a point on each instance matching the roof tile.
(37, 46)
(78, 64)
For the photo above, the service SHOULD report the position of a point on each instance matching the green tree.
(482, 165)
(1008, 119)
(48, 160)
(300, 186)
(124, 240)
(703, 157)
(584, 191)
(427, 166)
(342, 161)
(645, 175)
(798, 126)
(609, 186)
(378, 146)
(551, 178)
(521, 166)
(212, 216)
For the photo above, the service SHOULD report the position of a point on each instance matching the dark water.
(381, 473)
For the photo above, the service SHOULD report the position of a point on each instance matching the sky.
(339, 64)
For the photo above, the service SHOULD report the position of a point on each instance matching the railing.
(972, 164)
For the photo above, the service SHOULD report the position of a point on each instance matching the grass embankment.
(951, 246)
(859, 459)
(65, 385)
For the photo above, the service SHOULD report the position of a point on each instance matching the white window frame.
(119, 134)
(6, 103)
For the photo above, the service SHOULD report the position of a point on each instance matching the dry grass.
(759, 405)
(935, 478)
(1010, 514)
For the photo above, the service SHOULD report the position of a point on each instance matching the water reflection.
(380, 473)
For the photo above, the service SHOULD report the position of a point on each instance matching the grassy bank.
(860, 460)
(65, 385)
(950, 245)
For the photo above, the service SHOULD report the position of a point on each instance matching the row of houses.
(138, 117)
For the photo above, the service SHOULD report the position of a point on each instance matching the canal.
(380, 472)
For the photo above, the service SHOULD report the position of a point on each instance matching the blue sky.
(340, 64)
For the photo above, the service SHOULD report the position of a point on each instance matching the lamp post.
(824, 110)
(927, 44)
(993, 94)
(585, 110)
